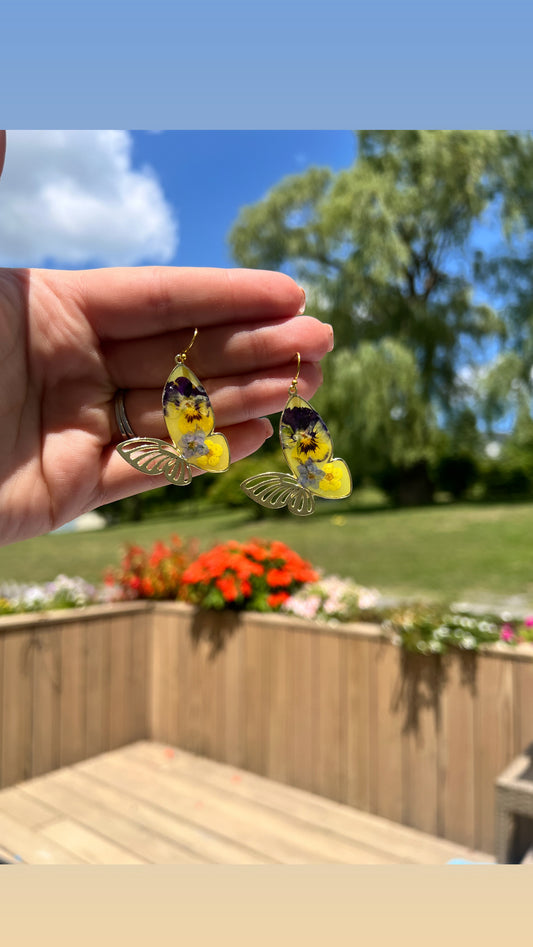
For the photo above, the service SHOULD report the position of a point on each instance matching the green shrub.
(503, 480)
(456, 473)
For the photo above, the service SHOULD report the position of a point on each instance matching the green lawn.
(463, 551)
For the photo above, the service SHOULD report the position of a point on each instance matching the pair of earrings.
(190, 421)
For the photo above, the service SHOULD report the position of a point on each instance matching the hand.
(70, 339)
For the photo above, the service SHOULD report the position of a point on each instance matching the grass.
(472, 552)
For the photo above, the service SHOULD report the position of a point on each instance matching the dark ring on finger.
(124, 425)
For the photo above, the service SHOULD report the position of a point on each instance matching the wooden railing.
(73, 684)
(335, 710)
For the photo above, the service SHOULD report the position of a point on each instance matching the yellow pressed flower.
(302, 447)
(332, 477)
(195, 415)
(312, 444)
(215, 452)
(189, 415)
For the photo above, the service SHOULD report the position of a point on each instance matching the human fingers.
(235, 399)
(134, 302)
(119, 480)
(218, 351)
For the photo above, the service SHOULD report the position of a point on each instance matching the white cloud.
(73, 198)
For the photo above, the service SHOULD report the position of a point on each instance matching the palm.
(70, 339)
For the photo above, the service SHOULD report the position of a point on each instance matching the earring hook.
(183, 355)
(294, 383)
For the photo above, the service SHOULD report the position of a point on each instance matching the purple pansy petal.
(299, 419)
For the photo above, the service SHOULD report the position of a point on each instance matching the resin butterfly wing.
(190, 422)
(276, 490)
(151, 456)
(307, 447)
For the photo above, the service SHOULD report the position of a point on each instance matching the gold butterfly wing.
(151, 456)
(275, 490)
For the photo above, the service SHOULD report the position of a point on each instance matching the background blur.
(416, 245)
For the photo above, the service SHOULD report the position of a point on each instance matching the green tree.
(384, 428)
(425, 240)
(506, 385)
(390, 246)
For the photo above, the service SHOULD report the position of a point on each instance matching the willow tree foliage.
(424, 240)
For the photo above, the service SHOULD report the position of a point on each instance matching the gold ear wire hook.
(183, 355)
(294, 383)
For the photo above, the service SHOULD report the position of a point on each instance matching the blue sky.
(208, 176)
(266, 63)
(89, 198)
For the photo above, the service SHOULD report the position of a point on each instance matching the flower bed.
(154, 573)
(253, 576)
(62, 592)
(430, 629)
(265, 576)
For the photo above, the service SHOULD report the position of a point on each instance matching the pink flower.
(507, 633)
(529, 621)
(303, 608)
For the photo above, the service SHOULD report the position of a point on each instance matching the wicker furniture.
(514, 811)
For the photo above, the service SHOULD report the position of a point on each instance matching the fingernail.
(269, 430)
(331, 342)
(302, 302)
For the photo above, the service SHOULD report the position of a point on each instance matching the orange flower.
(147, 587)
(276, 599)
(194, 573)
(246, 588)
(276, 577)
(154, 574)
(255, 550)
(228, 587)
(280, 550)
(159, 552)
(305, 573)
(254, 572)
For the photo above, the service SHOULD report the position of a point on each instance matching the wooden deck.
(150, 804)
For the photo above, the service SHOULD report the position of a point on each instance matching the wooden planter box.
(514, 811)
(73, 683)
(336, 710)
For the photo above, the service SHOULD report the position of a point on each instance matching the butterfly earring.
(190, 423)
(307, 447)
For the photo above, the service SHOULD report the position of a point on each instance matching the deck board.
(150, 803)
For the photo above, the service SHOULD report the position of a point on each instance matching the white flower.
(468, 642)
(368, 598)
(441, 632)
